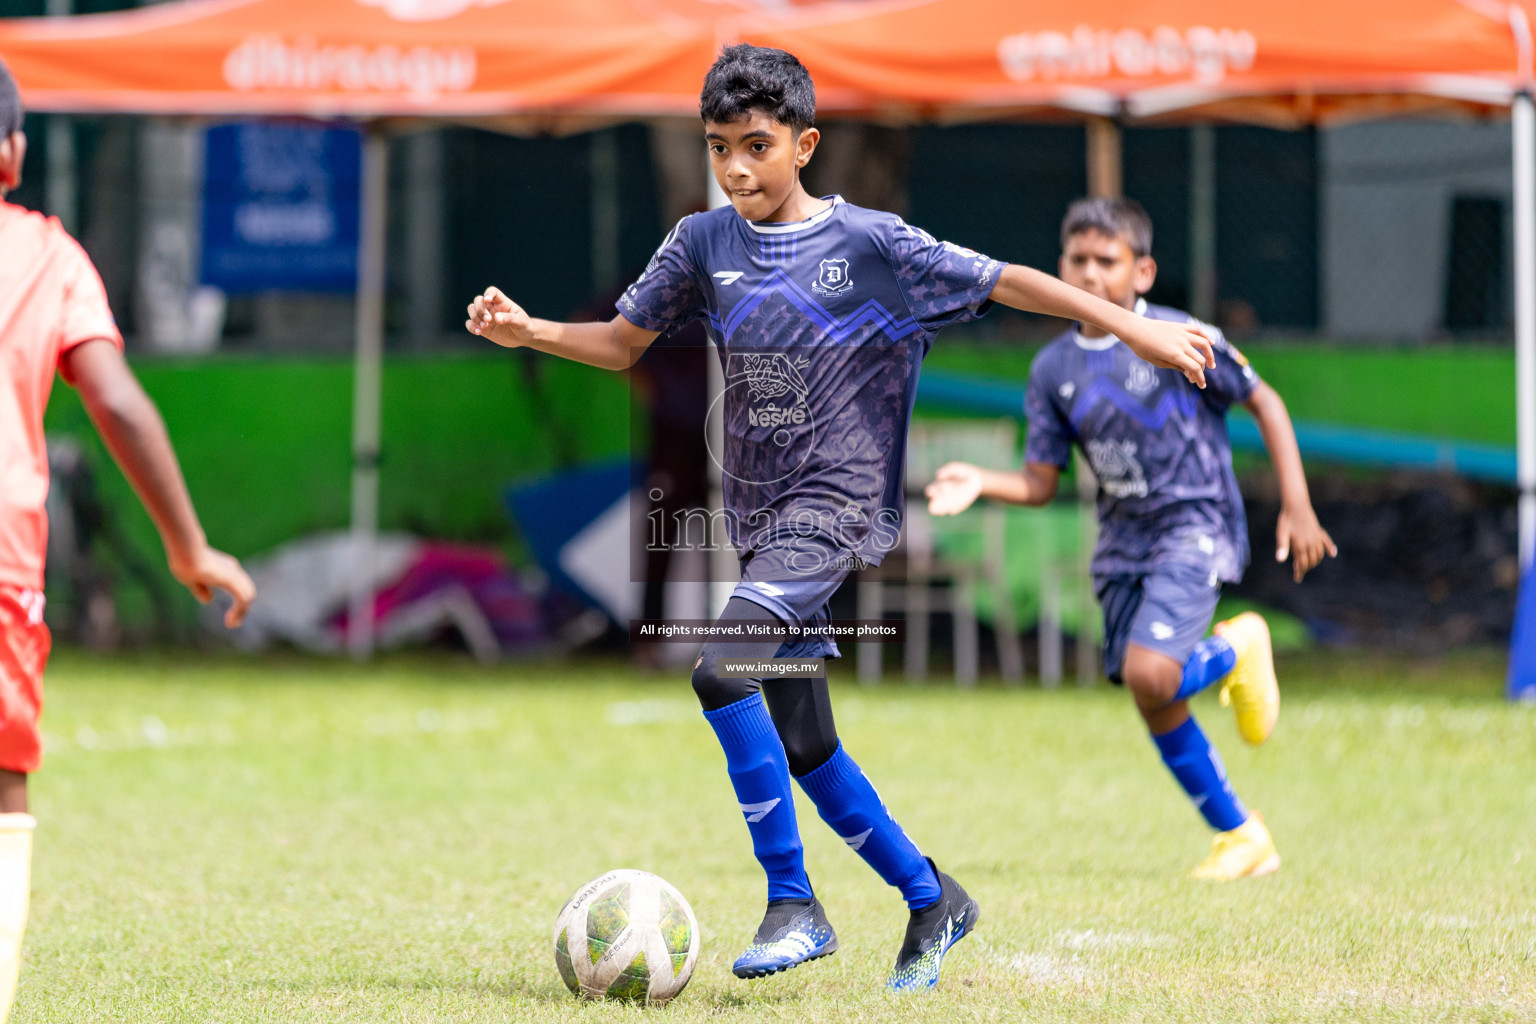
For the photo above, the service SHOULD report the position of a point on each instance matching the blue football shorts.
(799, 603)
(1167, 610)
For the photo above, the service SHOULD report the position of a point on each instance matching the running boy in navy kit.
(821, 312)
(1171, 520)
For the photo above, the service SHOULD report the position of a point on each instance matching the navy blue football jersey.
(821, 327)
(1157, 444)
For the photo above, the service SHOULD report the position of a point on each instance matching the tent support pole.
(1106, 174)
(1524, 121)
(1202, 222)
(724, 570)
(63, 168)
(1106, 180)
(367, 381)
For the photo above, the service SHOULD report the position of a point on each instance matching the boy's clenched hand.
(494, 316)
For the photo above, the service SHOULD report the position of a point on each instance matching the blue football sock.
(1197, 766)
(847, 802)
(754, 757)
(1212, 659)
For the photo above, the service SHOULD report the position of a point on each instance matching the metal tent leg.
(1523, 116)
(367, 387)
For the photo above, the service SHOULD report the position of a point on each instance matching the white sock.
(15, 892)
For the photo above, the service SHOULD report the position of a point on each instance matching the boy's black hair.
(747, 78)
(1118, 218)
(10, 103)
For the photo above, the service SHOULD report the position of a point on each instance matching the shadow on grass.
(510, 988)
(513, 991)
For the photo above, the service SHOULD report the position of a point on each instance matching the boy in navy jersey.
(821, 313)
(1171, 523)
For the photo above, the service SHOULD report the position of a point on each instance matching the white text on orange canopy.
(269, 62)
(1204, 54)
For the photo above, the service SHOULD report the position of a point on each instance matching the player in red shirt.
(54, 318)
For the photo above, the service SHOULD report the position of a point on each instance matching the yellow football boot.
(1251, 689)
(1245, 852)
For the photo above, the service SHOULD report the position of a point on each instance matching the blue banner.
(280, 208)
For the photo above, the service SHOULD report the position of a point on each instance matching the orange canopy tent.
(368, 58)
(933, 59)
(1289, 63)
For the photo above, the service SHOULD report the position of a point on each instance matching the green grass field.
(306, 841)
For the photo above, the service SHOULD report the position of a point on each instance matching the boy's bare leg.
(1153, 679)
(16, 827)
(13, 792)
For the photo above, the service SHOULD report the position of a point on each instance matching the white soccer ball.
(627, 935)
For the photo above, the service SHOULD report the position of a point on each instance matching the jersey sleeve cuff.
(1060, 461)
(642, 319)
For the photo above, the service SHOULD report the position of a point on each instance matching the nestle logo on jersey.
(775, 382)
(1116, 466)
(771, 415)
(833, 277)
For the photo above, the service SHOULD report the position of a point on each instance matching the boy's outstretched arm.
(612, 345)
(1298, 534)
(135, 434)
(1177, 346)
(957, 485)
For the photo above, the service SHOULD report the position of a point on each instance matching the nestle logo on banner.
(424, 73)
(1204, 54)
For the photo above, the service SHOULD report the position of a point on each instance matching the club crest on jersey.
(833, 278)
(1142, 379)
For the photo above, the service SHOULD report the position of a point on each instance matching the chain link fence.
(1380, 232)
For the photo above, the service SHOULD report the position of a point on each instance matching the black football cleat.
(931, 932)
(793, 932)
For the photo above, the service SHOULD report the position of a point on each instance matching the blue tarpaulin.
(1352, 445)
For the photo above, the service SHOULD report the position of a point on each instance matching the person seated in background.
(673, 379)
(1171, 521)
(54, 319)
